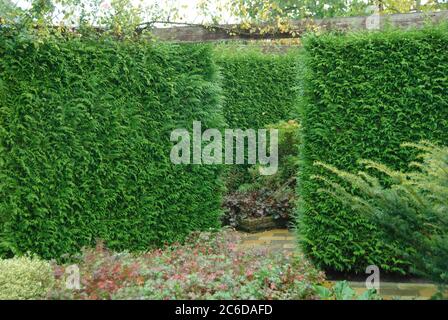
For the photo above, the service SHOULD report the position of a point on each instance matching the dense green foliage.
(365, 95)
(413, 211)
(85, 144)
(259, 88)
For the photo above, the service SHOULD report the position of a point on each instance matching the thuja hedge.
(365, 94)
(85, 144)
(259, 88)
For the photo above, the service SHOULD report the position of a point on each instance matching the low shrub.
(208, 266)
(24, 278)
(412, 212)
(256, 204)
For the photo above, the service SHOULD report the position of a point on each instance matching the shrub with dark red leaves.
(240, 205)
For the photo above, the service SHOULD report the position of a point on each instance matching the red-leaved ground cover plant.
(207, 266)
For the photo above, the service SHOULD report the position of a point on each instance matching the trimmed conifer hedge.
(365, 95)
(259, 88)
(85, 144)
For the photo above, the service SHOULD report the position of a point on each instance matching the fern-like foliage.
(412, 210)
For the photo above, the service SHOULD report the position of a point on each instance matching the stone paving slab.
(278, 239)
(400, 290)
(285, 240)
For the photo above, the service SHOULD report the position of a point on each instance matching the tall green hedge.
(85, 144)
(365, 95)
(259, 88)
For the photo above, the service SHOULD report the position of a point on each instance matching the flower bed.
(208, 266)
